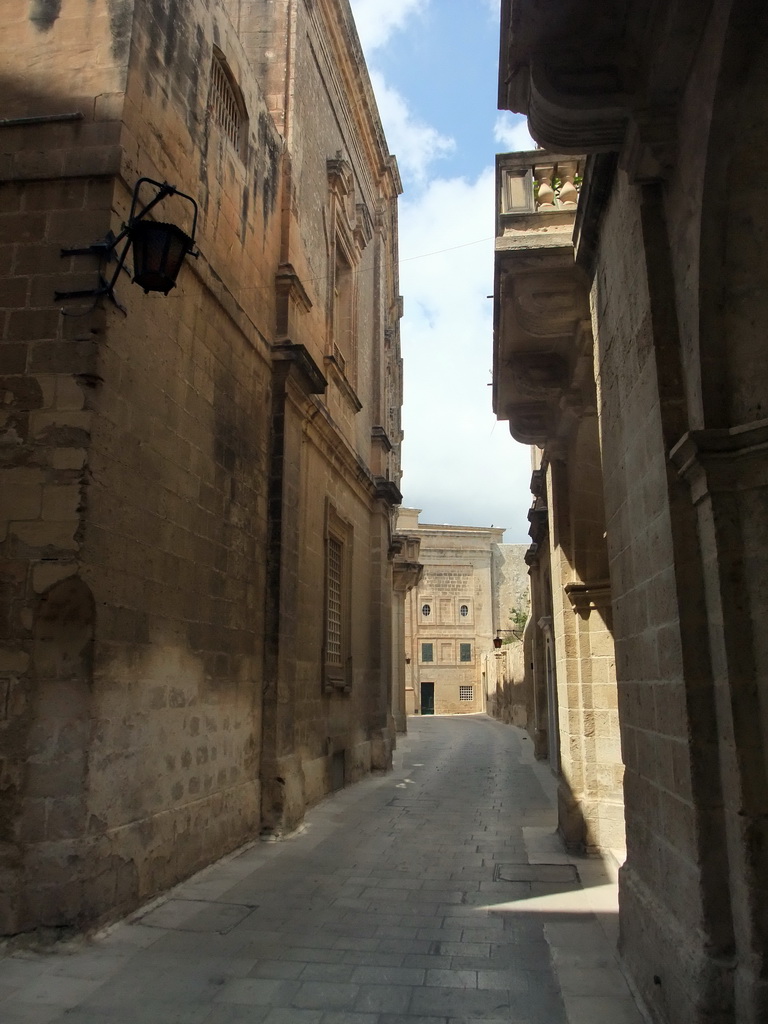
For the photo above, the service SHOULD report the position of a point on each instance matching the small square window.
(465, 652)
(427, 652)
(466, 693)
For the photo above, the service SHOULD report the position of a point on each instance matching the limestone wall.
(167, 466)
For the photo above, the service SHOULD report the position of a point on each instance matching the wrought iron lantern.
(159, 248)
(497, 641)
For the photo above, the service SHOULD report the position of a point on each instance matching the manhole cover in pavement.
(196, 916)
(535, 873)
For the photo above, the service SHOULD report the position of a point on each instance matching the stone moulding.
(288, 283)
(388, 491)
(297, 357)
(716, 459)
(586, 597)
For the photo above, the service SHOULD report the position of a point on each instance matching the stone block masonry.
(156, 703)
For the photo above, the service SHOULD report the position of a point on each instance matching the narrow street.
(434, 893)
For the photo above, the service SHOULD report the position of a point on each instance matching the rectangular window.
(333, 624)
(343, 292)
(427, 652)
(224, 101)
(337, 661)
(466, 693)
(465, 652)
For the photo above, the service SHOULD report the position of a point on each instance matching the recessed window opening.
(466, 693)
(224, 103)
(334, 610)
(342, 307)
(465, 652)
(464, 610)
(426, 610)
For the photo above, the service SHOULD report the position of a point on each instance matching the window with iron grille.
(465, 652)
(224, 103)
(337, 606)
(466, 693)
(334, 607)
(427, 652)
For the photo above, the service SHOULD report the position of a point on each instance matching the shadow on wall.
(53, 821)
(511, 701)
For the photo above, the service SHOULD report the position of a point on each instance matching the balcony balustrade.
(541, 307)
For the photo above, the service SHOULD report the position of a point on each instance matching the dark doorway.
(427, 698)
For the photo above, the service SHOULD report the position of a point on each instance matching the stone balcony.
(542, 336)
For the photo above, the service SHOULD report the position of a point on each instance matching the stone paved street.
(436, 893)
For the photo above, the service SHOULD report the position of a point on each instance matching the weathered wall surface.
(163, 490)
(512, 584)
(672, 245)
(340, 448)
(510, 687)
(147, 446)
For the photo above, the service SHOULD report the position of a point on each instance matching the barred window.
(224, 102)
(334, 617)
(337, 606)
(466, 693)
(426, 610)
(464, 610)
(465, 652)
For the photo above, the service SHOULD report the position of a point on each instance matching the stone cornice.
(348, 58)
(585, 597)
(288, 283)
(380, 436)
(725, 459)
(295, 358)
(388, 491)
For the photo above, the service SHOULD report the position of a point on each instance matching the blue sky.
(433, 64)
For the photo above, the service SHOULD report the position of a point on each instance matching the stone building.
(631, 317)
(196, 491)
(452, 615)
(544, 386)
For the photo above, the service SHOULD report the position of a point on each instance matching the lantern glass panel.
(158, 252)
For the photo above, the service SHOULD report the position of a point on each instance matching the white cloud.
(415, 144)
(376, 20)
(511, 131)
(460, 464)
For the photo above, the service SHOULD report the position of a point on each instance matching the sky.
(434, 68)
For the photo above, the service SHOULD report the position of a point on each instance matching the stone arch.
(54, 815)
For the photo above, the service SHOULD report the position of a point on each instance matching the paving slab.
(436, 894)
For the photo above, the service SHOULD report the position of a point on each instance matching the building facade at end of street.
(470, 587)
